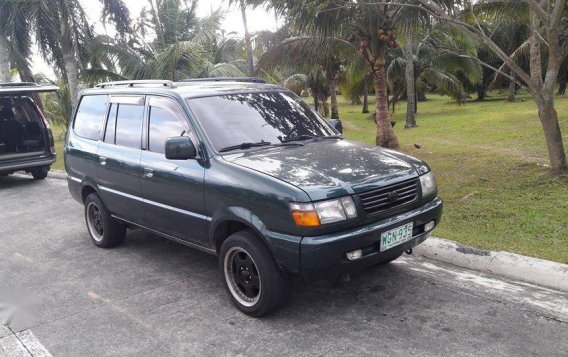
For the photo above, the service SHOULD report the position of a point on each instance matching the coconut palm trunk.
(72, 73)
(410, 83)
(385, 134)
(248, 41)
(512, 91)
(333, 98)
(365, 100)
(5, 75)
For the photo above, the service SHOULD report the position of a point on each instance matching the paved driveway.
(62, 296)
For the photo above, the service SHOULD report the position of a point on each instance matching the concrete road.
(61, 296)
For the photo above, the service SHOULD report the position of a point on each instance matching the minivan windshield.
(257, 119)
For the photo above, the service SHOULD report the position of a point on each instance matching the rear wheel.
(40, 173)
(105, 231)
(255, 282)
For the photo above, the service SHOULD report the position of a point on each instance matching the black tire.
(40, 173)
(105, 231)
(272, 284)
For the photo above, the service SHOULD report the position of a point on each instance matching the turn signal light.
(306, 218)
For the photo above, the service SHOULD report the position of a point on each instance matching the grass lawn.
(491, 163)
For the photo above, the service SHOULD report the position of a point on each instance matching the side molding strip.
(157, 204)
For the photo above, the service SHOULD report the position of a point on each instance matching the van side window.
(167, 120)
(111, 124)
(129, 121)
(90, 116)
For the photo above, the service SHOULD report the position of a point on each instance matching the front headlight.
(325, 212)
(428, 183)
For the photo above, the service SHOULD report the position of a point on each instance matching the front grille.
(389, 197)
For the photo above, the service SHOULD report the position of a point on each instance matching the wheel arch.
(233, 220)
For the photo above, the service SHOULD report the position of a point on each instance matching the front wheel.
(255, 282)
(105, 231)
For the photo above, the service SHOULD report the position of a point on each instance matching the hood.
(329, 168)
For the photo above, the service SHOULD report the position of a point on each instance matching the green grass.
(491, 163)
(492, 167)
(59, 136)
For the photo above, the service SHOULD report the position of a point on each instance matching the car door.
(173, 189)
(119, 154)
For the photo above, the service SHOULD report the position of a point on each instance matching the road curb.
(56, 174)
(514, 266)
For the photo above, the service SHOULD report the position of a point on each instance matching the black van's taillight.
(51, 140)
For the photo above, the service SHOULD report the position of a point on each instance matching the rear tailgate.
(41, 156)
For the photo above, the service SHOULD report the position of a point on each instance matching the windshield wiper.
(329, 137)
(245, 146)
(298, 138)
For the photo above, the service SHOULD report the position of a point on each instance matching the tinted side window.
(89, 116)
(129, 121)
(167, 120)
(111, 124)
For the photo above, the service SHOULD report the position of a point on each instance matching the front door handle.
(103, 160)
(148, 173)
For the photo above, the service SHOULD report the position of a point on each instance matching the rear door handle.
(103, 160)
(148, 173)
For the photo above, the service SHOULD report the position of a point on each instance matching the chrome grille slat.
(378, 199)
(385, 195)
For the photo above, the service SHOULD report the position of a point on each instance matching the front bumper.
(326, 255)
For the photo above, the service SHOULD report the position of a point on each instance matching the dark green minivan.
(246, 171)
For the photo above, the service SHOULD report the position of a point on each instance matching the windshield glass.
(271, 117)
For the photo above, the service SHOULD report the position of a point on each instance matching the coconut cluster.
(388, 37)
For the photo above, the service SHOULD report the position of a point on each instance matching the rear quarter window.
(90, 115)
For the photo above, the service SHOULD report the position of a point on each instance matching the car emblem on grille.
(393, 196)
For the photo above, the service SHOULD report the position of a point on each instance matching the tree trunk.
(481, 92)
(72, 74)
(365, 100)
(333, 96)
(512, 91)
(248, 42)
(562, 86)
(325, 107)
(385, 134)
(5, 75)
(543, 90)
(410, 84)
(552, 133)
(158, 25)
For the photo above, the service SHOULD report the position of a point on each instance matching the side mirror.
(337, 125)
(180, 148)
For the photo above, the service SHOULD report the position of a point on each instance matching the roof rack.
(160, 83)
(225, 79)
(18, 84)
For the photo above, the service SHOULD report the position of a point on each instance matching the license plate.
(396, 236)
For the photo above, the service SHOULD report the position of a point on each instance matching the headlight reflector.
(428, 183)
(325, 212)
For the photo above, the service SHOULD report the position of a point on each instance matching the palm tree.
(436, 65)
(305, 52)
(372, 29)
(243, 4)
(185, 46)
(61, 30)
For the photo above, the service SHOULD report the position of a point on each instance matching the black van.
(26, 140)
(246, 171)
